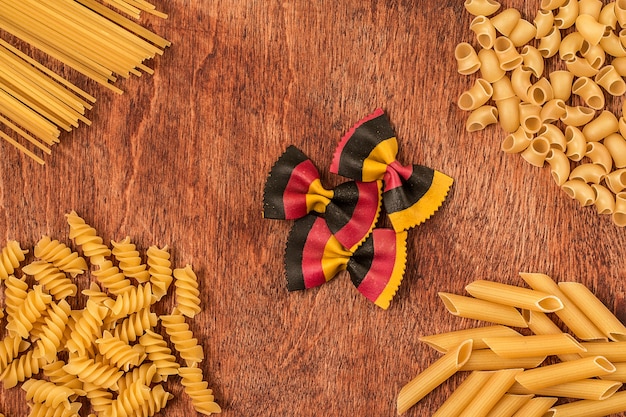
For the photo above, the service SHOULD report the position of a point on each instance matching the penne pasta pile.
(543, 372)
(559, 117)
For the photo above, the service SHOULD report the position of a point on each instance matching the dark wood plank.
(182, 156)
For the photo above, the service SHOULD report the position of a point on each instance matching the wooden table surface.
(181, 158)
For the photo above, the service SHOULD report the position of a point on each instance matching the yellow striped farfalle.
(110, 277)
(129, 260)
(10, 258)
(51, 333)
(55, 373)
(198, 390)
(159, 354)
(160, 270)
(20, 369)
(92, 371)
(119, 353)
(29, 311)
(60, 256)
(87, 239)
(87, 328)
(133, 326)
(14, 295)
(10, 347)
(56, 283)
(187, 293)
(41, 391)
(131, 301)
(182, 337)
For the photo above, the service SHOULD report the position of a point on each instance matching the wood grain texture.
(182, 156)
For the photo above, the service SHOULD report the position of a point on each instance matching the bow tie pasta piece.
(293, 190)
(314, 256)
(368, 151)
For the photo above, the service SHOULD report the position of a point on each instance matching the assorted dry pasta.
(548, 82)
(101, 43)
(522, 362)
(108, 353)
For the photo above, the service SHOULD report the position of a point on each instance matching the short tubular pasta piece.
(616, 180)
(530, 117)
(620, 12)
(612, 45)
(466, 58)
(514, 296)
(536, 407)
(41, 391)
(491, 393)
(616, 145)
(533, 61)
(520, 81)
(433, 376)
(110, 277)
(580, 191)
(616, 403)
(51, 278)
(540, 92)
(490, 66)
(119, 353)
(517, 141)
(567, 14)
(570, 46)
(463, 394)
(620, 373)
(160, 270)
(487, 360)
(604, 199)
(505, 21)
(611, 81)
(554, 135)
(589, 91)
(540, 324)
(523, 33)
(595, 310)
(590, 7)
(60, 256)
(581, 67)
(481, 118)
(184, 343)
(502, 89)
(514, 347)
(129, 260)
(479, 94)
(560, 373)
(537, 151)
(443, 342)
(571, 315)
(599, 155)
(132, 301)
(544, 20)
(551, 4)
(589, 173)
(552, 111)
(576, 144)
(619, 215)
(488, 311)
(481, 7)
(187, 293)
(509, 404)
(592, 30)
(87, 238)
(577, 116)
(34, 305)
(10, 258)
(20, 369)
(587, 389)
(601, 127)
(159, 354)
(90, 371)
(614, 351)
(507, 54)
(484, 30)
(198, 391)
(559, 165)
(549, 44)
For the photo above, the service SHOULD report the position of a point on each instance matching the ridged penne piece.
(491, 392)
(515, 347)
(508, 405)
(487, 311)
(564, 372)
(463, 394)
(536, 407)
(488, 360)
(443, 342)
(514, 296)
(592, 408)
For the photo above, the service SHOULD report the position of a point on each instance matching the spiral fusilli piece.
(146, 373)
(87, 328)
(129, 260)
(182, 338)
(87, 238)
(14, 295)
(29, 311)
(96, 294)
(55, 373)
(198, 390)
(159, 354)
(49, 393)
(20, 369)
(10, 258)
(132, 301)
(110, 277)
(60, 256)
(156, 401)
(132, 327)
(100, 399)
(160, 270)
(52, 278)
(88, 370)
(119, 353)
(187, 293)
(51, 333)
(10, 347)
(42, 410)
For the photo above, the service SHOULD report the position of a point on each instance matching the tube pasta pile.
(508, 373)
(35, 103)
(559, 117)
(108, 352)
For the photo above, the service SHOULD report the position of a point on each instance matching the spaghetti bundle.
(98, 42)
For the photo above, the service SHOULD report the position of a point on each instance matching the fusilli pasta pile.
(109, 351)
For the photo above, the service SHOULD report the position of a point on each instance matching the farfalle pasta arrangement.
(547, 81)
(107, 353)
(336, 229)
